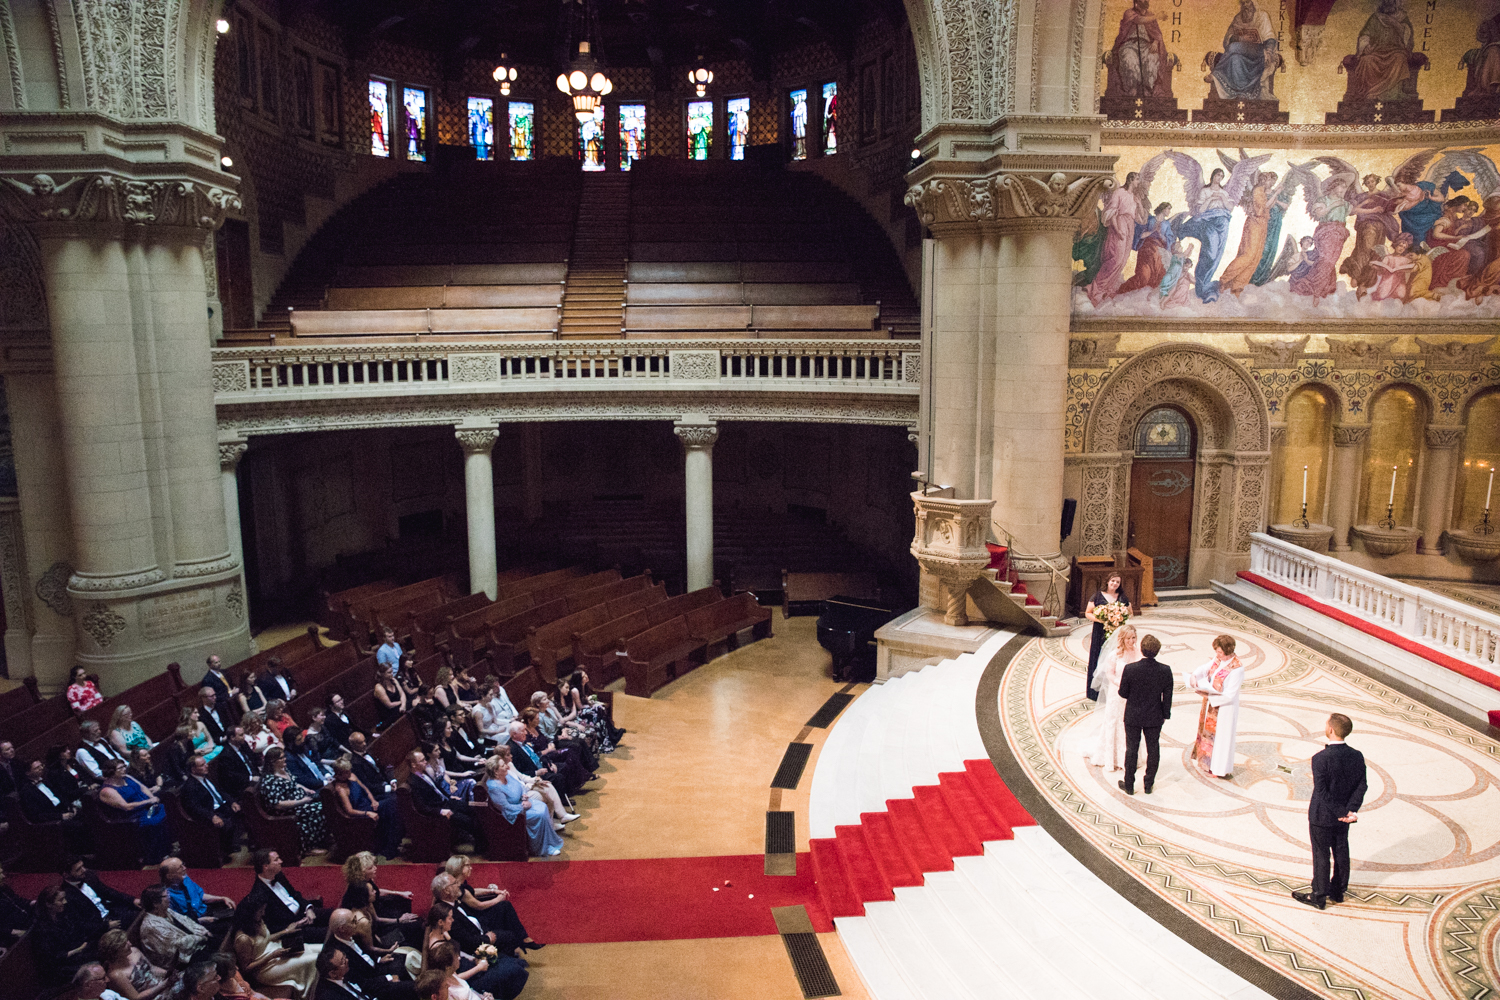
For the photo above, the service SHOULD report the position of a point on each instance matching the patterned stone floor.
(1484, 596)
(1423, 916)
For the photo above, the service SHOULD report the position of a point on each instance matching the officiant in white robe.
(1219, 682)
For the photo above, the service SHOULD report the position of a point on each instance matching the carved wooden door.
(1161, 495)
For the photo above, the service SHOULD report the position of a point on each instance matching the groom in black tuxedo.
(1146, 687)
(1339, 788)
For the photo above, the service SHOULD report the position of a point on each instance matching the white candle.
(1392, 499)
(1490, 490)
(1304, 486)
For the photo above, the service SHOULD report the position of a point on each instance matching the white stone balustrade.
(1445, 626)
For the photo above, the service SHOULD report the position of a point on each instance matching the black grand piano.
(846, 628)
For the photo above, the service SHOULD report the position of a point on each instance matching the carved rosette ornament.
(949, 544)
(1056, 195)
(477, 440)
(111, 198)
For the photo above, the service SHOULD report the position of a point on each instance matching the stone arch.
(1430, 409)
(1215, 374)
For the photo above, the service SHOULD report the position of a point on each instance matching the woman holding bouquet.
(1108, 610)
(1219, 682)
(1107, 747)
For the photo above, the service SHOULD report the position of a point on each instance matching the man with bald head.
(382, 978)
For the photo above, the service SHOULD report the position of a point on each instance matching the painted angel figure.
(1210, 207)
(1331, 210)
(1126, 211)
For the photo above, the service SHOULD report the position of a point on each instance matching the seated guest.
(92, 905)
(302, 762)
(143, 770)
(366, 767)
(457, 763)
(570, 736)
(382, 977)
(445, 691)
(468, 687)
(336, 722)
(63, 774)
(41, 804)
(389, 910)
(204, 802)
(538, 788)
(176, 764)
(236, 766)
(494, 712)
(425, 714)
(215, 718)
(11, 773)
(578, 696)
(15, 915)
(274, 682)
(273, 960)
(125, 733)
(93, 749)
(278, 719)
(130, 973)
(259, 736)
(282, 795)
(171, 940)
(466, 934)
(406, 673)
(429, 800)
(479, 972)
(461, 739)
(333, 981)
(509, 797)
(390, 698)
(251, 698)
(568, 761)
(188, 898)
(203, 743)
(83, 693)
(319, 740)
(525, 759)
(462, 789)
(354, 798)
(215, 678)
(284, 904)
(58, 944)
(128, 797)
(232, 985)
(492, 906)
(200, 981)
(90, 983)
(389, 652)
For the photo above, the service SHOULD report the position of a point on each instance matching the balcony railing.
(296, 372)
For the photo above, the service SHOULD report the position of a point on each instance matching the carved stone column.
(1343, 490)
(1437, 485)
(479, 506)
(949, 546)
(230, 453)
(698, 434)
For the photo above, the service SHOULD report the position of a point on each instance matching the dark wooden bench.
(506, 840)
(337, 605)
(680, 605)
(19, 972)
(117, 838)
(576, 585)
(611, 590)
(523, 685)
(351, 834)
(431, 836)
(552, 643)
(19, 699)
(391, 747)
(290, 653)
(505, 644)
(197, 843)
(537, 581)
(594, 650)
(658, 655)
(352, 683)
(279, 833)
(424, 626)
(468, 636)
(365, 617)
(724, 620)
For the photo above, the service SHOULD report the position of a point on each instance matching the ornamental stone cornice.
(114, 199)
(1443, 436)
(1350, 435)
(1005, 197)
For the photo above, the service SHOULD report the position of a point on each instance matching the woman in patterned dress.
(1219, 682)
(280, 794)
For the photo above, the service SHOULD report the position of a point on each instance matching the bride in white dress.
(1105, 747)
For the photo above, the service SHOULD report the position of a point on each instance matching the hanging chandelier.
(584, 80)
(504, 75)
(701, 77)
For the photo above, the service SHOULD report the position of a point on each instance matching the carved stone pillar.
(230, 453)
(1438, 470)
(698, 434)
(1343, 491)
(949, 546)
(479, 506)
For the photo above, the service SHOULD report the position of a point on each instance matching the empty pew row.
(445, 297)
(659, 655)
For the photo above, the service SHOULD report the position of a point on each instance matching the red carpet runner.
(664, 899)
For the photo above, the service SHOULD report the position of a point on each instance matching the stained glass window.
(632, 134)
(482, 127)
(522, 134)
(415, 102)
(738, 112)
(380, 118)
(591, 141)
(700, 129)
(799, 124)
(830, 119)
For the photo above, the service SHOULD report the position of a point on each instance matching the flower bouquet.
(487, 952)
(1112, 616)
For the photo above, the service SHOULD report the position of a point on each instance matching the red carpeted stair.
(953, 818)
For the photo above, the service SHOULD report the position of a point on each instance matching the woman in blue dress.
(507, 794)
(124, 794)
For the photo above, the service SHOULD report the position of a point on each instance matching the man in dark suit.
(214, 678)
(274, 682)
(366, 768)
(92, 904)
(382, 978)
(41, 804)
(1339, 788)
(337, 723)
(205, 802)
(1146, 687)
(213, 714)
(429, 800)
(284, 905)
(302, 762)
(236, 767)
(94, 750)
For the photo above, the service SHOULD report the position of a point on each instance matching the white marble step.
(930, 976)
(841, 777)
(877, 967)
(944, 934)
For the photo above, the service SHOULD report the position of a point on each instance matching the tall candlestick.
(1304, 486)
(1490, 490)
(1392, 499)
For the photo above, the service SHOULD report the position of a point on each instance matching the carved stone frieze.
(1454, 353)
(101, 623)
(1277, 353)
(206, 567)
(949, 544)
(1358, 352)
(1011, 195)
(1278, 435)
(1216, 371)
(231, 376)
(1442, 436)
(94, 583)
(52, 589)
(1092, 352)
(695, 365)
(1350, 435)
(109, 197)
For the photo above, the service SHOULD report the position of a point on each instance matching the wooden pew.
(507, 841)
(279, 833)
(365, 611)
(594, 650)
(537, 581)
(723, 620)
(338, 604)
(683, 603)
(391, 746)
(523, 685)
(445, 297)
(575, 585)
(19, 699)
(351, 834)
(425, 627)
(468, 637)
(553, 642)
(608, 592)
(505, 641)
(291, 652)
(659, 655)
(352, 683)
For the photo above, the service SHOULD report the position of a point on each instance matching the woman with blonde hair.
(389, 911)
(539, 787)
(130, 973)
(125, 733)
(492, 907)
(259, 737)
(203, 744)
(511, 799)
(1107, 746)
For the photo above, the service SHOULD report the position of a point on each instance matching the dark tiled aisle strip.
(802, 947)
(781, 830)
(792, 764)
(987, 710)
(830, 711)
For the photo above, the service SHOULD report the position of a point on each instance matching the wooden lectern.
(1090, 573)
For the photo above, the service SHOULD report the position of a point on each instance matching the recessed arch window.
(1397, 420)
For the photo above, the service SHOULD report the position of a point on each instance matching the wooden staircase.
(594, 296)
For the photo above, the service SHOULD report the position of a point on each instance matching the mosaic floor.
(1423, 915)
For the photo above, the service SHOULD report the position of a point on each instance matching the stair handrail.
(1049, 603)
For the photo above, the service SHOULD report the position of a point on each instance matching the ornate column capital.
(109, 197)
(1350, 435)
(1441, 436)
(476, 440)
(696, 434)
(230, 453)
(1062, 197)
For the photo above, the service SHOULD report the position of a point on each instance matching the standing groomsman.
(1339, 788)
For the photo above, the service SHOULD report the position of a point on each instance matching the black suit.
(83, 913)
(429, 800)
(15, 915)
(92, 757)
(214, 726)
(234, 770)
(274, 686)
(338, 728)
(370, 976)
(219, 683)
(278, 917)
(51, 943)
(1146, 686)
(370, 774)
(39, 809)
(198, 802)
(11, 777)
(1339, 788)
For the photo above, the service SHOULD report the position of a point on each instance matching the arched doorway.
(1161, 493)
